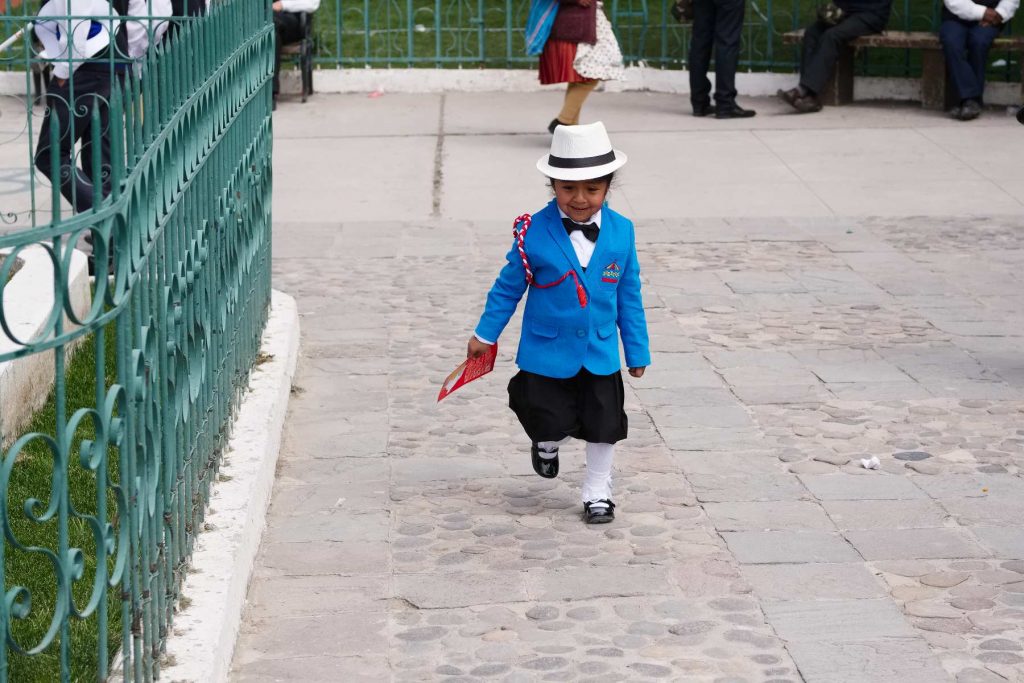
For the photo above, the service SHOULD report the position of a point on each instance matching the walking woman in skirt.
(580, 51)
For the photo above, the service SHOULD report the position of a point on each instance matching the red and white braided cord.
(520, 234)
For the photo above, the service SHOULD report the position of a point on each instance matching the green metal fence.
(489, 33)
(102, 499)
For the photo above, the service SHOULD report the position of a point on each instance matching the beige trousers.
(575, 96)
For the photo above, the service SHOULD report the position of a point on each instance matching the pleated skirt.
(556, 63)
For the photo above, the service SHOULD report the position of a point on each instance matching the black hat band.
(581, 162)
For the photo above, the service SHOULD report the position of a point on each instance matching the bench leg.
(840, 88)
(933, 79)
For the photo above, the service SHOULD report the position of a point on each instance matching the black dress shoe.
(545, 467)
(704, 110)
(970, 110)
(734, 112)
(599, 511)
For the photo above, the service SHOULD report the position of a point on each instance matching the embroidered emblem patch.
(611, 273)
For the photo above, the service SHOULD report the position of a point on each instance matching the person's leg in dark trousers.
(702, 39)
(822, 45)
(101, 98)
(979, 42)
(287, 29)
(75, 185)
(809, 46)
(953, 36)
(728, 27)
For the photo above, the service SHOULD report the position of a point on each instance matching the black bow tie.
(590, 230)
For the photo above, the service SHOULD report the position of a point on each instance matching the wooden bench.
(936, 92)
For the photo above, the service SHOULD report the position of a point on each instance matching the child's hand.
(636, 372)
(476, 348)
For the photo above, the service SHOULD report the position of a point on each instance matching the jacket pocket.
(542, 330)
(606, 330)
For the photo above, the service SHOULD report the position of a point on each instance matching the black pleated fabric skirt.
(587, 406)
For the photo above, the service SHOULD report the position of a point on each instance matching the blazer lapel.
(561, 238)
(605, 236)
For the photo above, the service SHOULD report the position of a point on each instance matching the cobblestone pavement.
(410, 541)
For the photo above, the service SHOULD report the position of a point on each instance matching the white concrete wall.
(27, 302)
(525, 80)
(637, 79)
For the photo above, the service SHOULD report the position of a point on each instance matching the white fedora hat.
(580, 153)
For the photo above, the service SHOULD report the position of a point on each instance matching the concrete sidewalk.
(819, 289)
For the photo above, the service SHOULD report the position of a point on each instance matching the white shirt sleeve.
(52, 30)
(968, 10)
(300, 5)
(68, 53)
(1007, 8)
(148, 30)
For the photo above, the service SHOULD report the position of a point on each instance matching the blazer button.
(581, 333)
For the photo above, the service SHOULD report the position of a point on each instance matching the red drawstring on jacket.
(520, 234)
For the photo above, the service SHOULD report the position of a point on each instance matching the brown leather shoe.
(808, 104)
(788, 96)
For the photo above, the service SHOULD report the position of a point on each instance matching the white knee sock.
(597, 485)
(549, 449)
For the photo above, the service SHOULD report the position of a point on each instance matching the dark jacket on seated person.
(880, 8)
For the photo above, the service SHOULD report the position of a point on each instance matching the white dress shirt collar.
(583, 247)
(595, 219)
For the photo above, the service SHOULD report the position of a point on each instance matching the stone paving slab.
(814, 581)
(798, 327)
(885, 514)
(906, 544)
(907, 660)
(764, 516)
(773, 547)
(837, 621)
(1004, 542)
(846, 487)
(716, 489)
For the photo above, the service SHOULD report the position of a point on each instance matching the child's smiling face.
(580, 199)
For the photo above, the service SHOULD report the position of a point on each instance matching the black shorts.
(587, 406)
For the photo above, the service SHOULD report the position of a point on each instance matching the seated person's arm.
(308, 6)
(968, 10)
(1006, 9)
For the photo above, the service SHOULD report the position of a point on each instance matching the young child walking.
(578, 259)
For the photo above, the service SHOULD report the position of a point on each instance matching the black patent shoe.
(545, 467)
(734, 112)
(599, 511)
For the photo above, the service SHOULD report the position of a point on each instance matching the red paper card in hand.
(471, 369)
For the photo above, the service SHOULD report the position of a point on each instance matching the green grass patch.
(489, 33)
(32, 477)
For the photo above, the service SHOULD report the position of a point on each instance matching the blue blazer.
(559, 337)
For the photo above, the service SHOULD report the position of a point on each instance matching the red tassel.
(581, 294)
